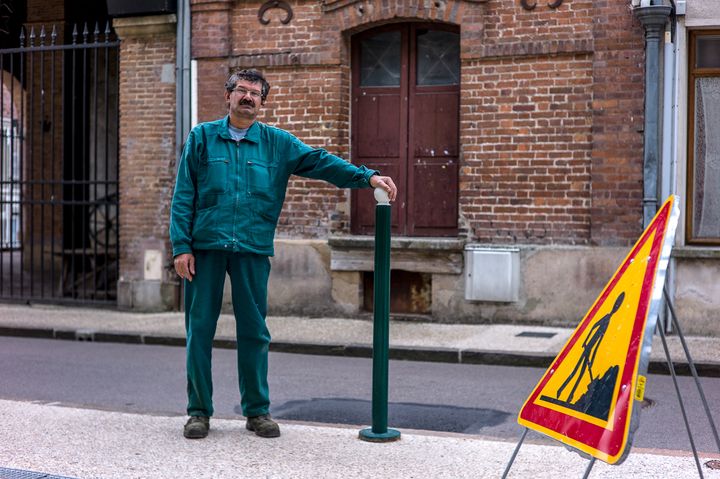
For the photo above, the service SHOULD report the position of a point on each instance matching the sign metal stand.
(680, 399)
(691, 365)
(589, 468)
(653, 296)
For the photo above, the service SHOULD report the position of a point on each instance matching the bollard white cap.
(381, 196)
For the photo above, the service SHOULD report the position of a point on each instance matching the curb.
(406, 353)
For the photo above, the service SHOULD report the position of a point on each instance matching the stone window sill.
(695, 252)
(423, 255)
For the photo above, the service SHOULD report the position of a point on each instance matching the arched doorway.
(405, 123)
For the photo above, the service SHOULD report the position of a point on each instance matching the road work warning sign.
(586, 397)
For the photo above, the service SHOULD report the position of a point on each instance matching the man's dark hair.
(253, 76)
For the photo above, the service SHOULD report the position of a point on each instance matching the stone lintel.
(575, 46)
(211, 5)
(332, 5)
(145, 26)
(282, 58)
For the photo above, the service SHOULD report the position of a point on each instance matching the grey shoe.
(263, 426)
(197, 427)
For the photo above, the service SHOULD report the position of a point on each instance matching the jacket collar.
(253, 133)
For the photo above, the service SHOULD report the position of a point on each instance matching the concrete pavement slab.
(87, 443)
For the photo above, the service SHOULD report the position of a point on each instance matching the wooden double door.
(405, 116)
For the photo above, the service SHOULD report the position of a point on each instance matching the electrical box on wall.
(492, 274)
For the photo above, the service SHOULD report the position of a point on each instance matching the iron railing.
(58, 166)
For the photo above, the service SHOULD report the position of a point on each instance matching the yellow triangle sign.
(586, 397)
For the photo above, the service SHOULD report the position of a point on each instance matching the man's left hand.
(386, 183)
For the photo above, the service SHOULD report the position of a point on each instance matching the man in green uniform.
(229, 191)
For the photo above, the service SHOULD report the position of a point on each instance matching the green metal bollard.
(381, 325)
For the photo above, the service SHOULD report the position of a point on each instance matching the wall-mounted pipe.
(653, 19)
(182, 77)
(668, 169)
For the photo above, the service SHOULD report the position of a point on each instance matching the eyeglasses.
(253, 93)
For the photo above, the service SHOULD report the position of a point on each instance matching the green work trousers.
(203, 300)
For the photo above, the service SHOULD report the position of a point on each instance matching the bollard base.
(389, 436)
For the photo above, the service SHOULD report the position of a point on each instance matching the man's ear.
(227, 95)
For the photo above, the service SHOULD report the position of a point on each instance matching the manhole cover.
(714, 464)
(6, 473)
(534, 334)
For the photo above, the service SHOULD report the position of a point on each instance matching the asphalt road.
(468, 399)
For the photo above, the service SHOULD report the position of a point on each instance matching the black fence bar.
(23, 152)
(106, 190)
(94, 226)
(53, 37)
(2, 169)
(78, 46)
(117, 175)
(73, 162)
(30, 152)
(59, 167)
(80, 202)
(11, 223)
(83, 163)
(61, 190)
(42, 160)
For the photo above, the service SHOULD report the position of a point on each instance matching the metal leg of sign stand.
(691, 364)
(515, 453)
(589, 468)
(680, 400)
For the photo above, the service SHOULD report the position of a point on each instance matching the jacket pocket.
(261, 178)
(214, 176)
(204, 230)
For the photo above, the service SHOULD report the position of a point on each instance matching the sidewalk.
(83, 443)
(454, 343)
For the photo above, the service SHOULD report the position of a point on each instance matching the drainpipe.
(653, 19)
(668, 123)
(669, 142)
(182, 77)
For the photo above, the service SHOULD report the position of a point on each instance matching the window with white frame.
(703, 205)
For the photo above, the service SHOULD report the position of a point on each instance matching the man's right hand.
(185, 265)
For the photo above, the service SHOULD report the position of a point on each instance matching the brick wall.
(308, 102)
(147, 148)
(526, 136)
(551, 100)
(618, 116)
(48, 11)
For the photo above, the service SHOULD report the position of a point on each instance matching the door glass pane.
(706, 164)
(438, 58)
(708, 52)
(380, 60)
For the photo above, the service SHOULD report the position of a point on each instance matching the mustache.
(247, 102)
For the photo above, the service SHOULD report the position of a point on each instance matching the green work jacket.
(228, 194)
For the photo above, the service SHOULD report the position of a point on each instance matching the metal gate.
(59, 166)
